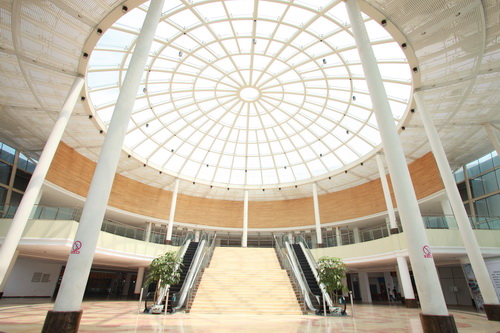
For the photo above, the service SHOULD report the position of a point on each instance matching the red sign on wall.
(427, 251)
(77, 245)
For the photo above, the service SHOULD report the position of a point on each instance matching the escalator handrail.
(194, 270)
(314, 268)
(291, 264)
(205, 259)
(178, 257)
(299, 274)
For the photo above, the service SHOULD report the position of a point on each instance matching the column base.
(320, 245)
(411, 303)
(394, 231)
(62, 321)
(437, 324)
(167, 242)
(492, 311)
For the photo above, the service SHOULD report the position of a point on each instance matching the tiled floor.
(28, 315)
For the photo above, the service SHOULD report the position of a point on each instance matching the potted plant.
(332, 272)
(165, 271)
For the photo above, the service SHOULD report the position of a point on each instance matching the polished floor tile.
(28, 315)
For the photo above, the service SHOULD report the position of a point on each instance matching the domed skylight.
(248, 93)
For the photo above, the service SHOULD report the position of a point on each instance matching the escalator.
(186, 265)
(317, 300)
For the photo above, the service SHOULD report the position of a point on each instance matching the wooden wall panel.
(280, 214)
(221, 213)
(362, 200)
(73, 172)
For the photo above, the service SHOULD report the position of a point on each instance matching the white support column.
(30, 196)
(387, 195)
(357, 238)
(149, 225)
(173, 205)
(364, 287)
(338, 236)
(75, 277)
(448, 214)
(197, 235)
(493, 137)
(404, 275)
(317, 220)
(139, 280)
(464, 226)
(431, 296)
(244, 238)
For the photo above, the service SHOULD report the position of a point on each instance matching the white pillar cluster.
(431, 296)
(9, 245)
(464, 226)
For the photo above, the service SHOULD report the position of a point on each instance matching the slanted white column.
(464, 226)
(244, 238)
(493, 137)
(404, 275)
(35, 204)
(387, 195)
(139, 280)
(9, 270)
(448, 214)
(431, 296)
(75, 278)
(364, 287)
(355, 232)
(338, 236)
(317, 220)
(30, 196)
(173, 205)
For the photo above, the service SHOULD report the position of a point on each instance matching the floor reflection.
(27, 315)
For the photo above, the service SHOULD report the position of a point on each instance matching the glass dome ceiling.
(248, 93)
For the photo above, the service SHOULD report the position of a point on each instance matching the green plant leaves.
(166, 269)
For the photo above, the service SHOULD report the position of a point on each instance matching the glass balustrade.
(329, 236)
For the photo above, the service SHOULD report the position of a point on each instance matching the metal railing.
(204, 261)
(289, 263)
(314, 268)
(180, 254)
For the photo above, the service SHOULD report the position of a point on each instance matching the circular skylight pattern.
(248, 93)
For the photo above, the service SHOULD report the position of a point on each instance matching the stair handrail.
(194, 270)
(314, 268)
(180, 254)
(291, 264)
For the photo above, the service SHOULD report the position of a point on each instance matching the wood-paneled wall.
(73, 172)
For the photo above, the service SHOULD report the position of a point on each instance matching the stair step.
(245, 281)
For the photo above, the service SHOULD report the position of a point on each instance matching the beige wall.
(73, 172)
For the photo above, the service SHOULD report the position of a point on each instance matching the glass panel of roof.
(300, 90)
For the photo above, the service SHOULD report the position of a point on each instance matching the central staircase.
(245, 281)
